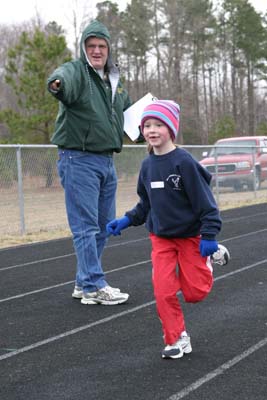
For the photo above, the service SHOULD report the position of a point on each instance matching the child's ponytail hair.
(150, 149)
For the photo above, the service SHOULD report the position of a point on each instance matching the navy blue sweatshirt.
(175, 197)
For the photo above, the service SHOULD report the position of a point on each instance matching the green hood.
(94, 29)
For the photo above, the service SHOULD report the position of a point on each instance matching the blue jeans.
(90, 183)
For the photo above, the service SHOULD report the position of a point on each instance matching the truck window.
(234, 147)
(263, 144)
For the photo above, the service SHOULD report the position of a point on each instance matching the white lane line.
(244, 235)
(18, 296)
(226, 221)
(37, 262)
(74, 331)
(114, 316)
(218, 371)
(68, 255)
(241, 270)
(70, 282)
(120, 244)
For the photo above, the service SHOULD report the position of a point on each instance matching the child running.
(182, 217)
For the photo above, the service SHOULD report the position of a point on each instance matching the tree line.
(210, 57)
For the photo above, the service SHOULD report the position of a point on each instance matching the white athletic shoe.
(78, 292)
(221, 256)
(107, 296)
(178, 349)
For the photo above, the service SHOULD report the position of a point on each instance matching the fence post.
(217, 191)
(20, 191)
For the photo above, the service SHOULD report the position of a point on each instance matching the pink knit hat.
(166, 111)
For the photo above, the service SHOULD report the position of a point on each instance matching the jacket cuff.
(128, 215)
(207, 236)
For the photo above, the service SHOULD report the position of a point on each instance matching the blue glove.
(115, 226)
(208, 247)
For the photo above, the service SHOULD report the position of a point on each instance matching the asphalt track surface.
(53, 347)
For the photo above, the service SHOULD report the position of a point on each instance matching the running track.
(53, 347)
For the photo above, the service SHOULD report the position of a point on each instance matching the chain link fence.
(31, 196)
(32, 199)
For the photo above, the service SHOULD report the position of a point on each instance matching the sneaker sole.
(90, 302)
(172, 357)
(80, 295)
(226, 257)
(186, 350)
(103, 302)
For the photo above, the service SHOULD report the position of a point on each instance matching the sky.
(61, 11)
(22, 10)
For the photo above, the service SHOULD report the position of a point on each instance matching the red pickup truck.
(239, 162)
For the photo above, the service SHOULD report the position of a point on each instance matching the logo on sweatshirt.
(174, 181)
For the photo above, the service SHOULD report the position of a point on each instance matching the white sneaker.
(78, 291)
(116, 289)
(221, 256)
(106, 296)
(178, 349)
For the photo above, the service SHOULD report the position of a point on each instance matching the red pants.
(178, 266)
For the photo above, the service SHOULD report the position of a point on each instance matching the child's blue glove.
(115, 226)
(208, 247)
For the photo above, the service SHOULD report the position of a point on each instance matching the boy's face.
(157, 134)
(97, 52)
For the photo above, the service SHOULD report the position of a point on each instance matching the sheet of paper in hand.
(132, 116)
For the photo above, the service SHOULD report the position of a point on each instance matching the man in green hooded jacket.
(88, 130)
